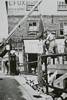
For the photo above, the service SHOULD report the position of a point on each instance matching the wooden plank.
(60, 68)
(57, 66)
(59, 82)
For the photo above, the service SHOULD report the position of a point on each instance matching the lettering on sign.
(17, 3)
(17, 7)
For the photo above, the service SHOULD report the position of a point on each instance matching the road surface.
(9, 90)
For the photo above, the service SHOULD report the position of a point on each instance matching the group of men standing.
(50, 45)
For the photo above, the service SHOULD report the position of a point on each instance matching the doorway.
(32, 57)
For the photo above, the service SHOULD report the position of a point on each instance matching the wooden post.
(27, 64)
(9, 56)
(45, 61)
(22, 51)
(39, 71)
(24, 56)
(53, 60)
(9, 60)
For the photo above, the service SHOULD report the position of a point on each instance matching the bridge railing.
(45, 60)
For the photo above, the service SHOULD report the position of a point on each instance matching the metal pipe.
(22, 20)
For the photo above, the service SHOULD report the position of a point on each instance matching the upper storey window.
(62, 6)
(33, 26)
(30, 4)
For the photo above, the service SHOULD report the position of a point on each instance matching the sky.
(3, 21)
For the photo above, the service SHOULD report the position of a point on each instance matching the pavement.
(26, 82)
(10, 90)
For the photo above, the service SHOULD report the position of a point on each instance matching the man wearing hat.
(51, 39)
(52, 44)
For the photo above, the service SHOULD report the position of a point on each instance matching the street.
(16, 88)
(9, 90)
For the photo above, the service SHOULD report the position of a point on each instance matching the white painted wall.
(20, 57)
(60, 43)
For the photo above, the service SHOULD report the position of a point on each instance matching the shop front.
(32, 50)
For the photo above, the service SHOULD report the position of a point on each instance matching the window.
(34, 23)
(61, 32)
(61, 29)
(30, 24)
(30, 4)
(6, 6)
(62, 6)
(29, 7)
(33, 26)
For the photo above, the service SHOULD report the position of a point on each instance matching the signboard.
(33, 46)
(18, 7)
(16, 4)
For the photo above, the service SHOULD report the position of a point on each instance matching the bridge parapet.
(60, 68)
(53, 67)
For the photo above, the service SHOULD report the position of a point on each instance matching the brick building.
(54, 16)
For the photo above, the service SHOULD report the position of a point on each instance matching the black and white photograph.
(33, 49)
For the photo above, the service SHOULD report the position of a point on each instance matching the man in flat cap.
(51, 39)
(52, 44)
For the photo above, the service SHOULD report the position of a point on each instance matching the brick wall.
(50, 22)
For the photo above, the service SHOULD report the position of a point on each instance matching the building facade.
(54, 17)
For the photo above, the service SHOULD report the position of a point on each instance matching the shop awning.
(33, 46)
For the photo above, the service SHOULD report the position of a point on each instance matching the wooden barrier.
(44, 57)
